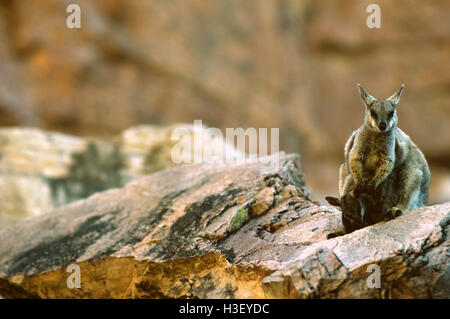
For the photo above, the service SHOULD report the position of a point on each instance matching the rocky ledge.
(222, 231)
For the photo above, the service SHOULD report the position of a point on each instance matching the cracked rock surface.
(221, 231)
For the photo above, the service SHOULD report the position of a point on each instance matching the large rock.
(221, 230)
(41, 170)
(411, 253)
(33, 167)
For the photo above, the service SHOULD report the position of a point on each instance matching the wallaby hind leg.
(346, 182)
(410, 192)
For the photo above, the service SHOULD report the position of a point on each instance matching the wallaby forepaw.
(393, 213)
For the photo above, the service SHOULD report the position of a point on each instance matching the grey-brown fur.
(359, 211)
(355, 211)
(381, 160)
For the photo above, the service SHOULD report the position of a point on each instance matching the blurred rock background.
(40, 170)
(288, 64)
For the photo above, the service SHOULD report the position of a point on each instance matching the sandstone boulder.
(42, 170)
(221, 231)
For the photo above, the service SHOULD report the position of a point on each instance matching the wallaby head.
(352, 211)
(356, 211)
(381, 115)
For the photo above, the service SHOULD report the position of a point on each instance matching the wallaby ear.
(395, 98)
(334, 201)
(366, 97)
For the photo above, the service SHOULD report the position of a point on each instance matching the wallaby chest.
(372, 150)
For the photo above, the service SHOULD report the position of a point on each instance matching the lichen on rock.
(238, 220)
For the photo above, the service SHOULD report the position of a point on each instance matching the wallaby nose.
(382, 126)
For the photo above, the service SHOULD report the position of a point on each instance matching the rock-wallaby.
(381, 160)
(358, 212)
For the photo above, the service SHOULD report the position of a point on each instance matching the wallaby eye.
(373, 114)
